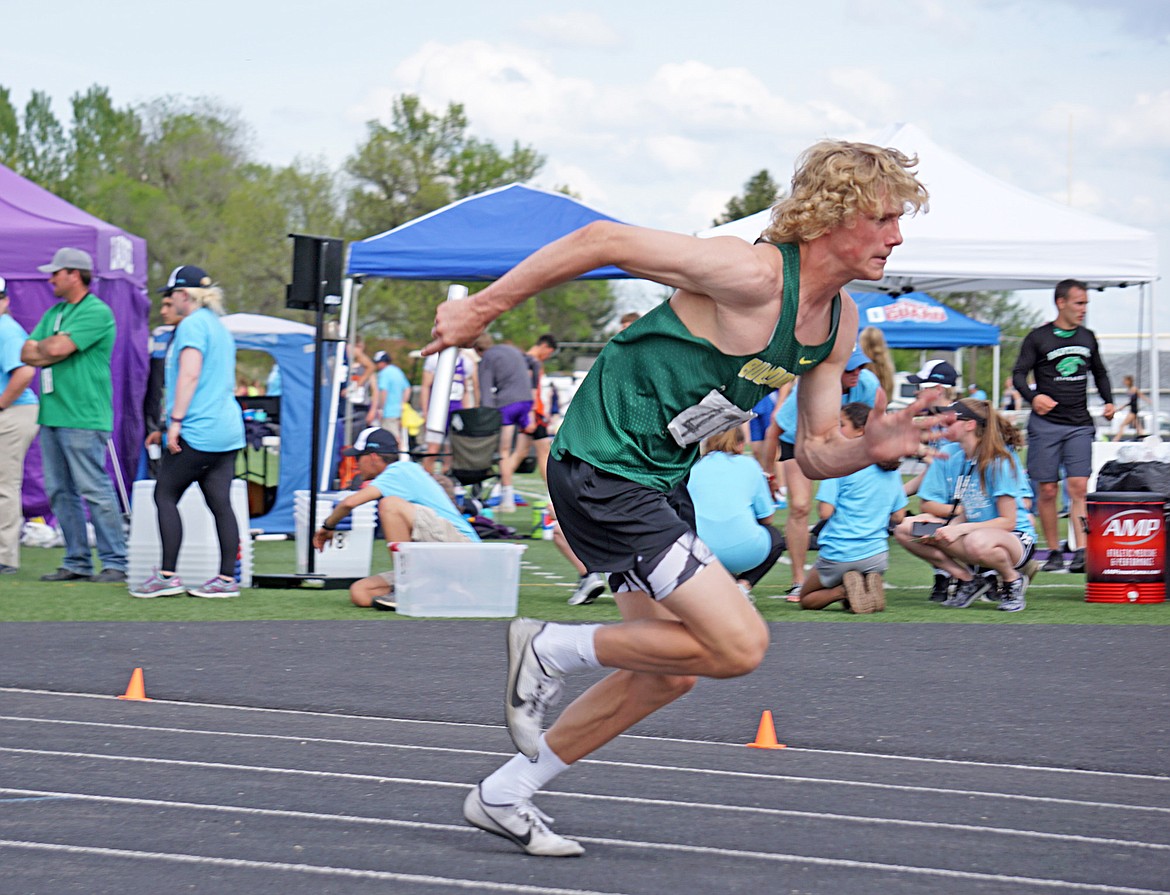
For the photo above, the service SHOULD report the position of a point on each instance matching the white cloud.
(574, 29)
(678, 155)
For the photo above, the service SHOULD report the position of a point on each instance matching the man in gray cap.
(18, 427)
(72, 345)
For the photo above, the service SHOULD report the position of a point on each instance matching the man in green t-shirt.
(72, 345)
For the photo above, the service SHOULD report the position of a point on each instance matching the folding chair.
(475, 442)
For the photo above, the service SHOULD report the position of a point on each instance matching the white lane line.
(775, 778)
(908, 869)
(833, 781)
(311, 869)
(955, 762)
(40, 794)
(332, 741)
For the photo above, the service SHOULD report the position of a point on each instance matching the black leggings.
(213, 470)
(752, 576)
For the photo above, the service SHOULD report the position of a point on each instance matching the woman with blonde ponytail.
(881, 363)
(205, 429)
(988, 523)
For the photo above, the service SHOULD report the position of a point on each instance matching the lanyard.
(960, 486)
(61, 314)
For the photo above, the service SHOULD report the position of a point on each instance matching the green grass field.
(546, 582)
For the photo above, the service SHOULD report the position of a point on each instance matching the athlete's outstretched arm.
(727, 269)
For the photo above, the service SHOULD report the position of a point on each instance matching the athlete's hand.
(906, 432)
(1108, 412)
(456, 323)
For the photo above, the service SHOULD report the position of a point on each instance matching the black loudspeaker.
(316, 274)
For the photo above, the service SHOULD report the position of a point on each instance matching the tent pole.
(350, 290)
(995, 376)
(1155, 366)
(337, 346)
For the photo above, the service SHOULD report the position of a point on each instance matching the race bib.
(712, 415)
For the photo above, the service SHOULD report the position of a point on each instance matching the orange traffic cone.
(137, 691)
(766, 734)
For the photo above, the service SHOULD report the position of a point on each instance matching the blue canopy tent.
(915, 320)
(290, 344)
(481, 237)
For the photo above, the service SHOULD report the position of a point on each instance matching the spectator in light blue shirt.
(18, 427)
(734, 509)
(988, 523)
(412, 506)
(854, 544)
(393, 390)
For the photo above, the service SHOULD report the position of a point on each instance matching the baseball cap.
(936, 372)
(186, 277)
(962, 412)
(3, 287)
(857, 359)
(68, 259)
(381, 357)
(373, 440)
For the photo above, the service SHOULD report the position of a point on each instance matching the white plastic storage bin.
(457, 580)
(199, 553)
(348, 554)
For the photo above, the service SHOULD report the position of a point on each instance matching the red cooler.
(1125, 557)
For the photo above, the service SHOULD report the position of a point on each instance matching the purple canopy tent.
(33, 225)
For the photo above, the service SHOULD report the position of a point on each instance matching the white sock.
(520, 777)
(567, 648)
(507, 493)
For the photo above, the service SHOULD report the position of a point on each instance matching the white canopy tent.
(982, 233)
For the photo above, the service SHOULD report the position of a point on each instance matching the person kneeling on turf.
(412, 506)
(854, 544)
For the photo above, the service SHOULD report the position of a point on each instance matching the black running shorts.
(644, 539)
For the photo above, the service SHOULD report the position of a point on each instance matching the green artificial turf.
(546, 581)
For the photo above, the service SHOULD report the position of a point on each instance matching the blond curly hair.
(835, 181)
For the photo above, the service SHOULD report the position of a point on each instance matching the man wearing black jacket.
(1060, 355)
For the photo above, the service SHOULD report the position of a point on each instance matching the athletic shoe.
(793, 594)
(8, 570)
(589, 588)
(1054, 563)
(387, 603)
(969, 592)
(109, 576)
(1012, 594)
(216, 588)
(1077, 565)
(856, 594)
(992, 594)
(522, 823)
(875, 586)
(943, 586)
(532, 689)
(506, 506)
(157, 585)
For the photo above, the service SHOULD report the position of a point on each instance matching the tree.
(1014, 319)
(42, 152)
(9, 130)
(421, 162)
(424, 161)
(760, 192)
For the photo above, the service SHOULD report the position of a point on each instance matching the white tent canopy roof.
(982, 233)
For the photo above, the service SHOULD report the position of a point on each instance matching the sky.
(658, 113)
